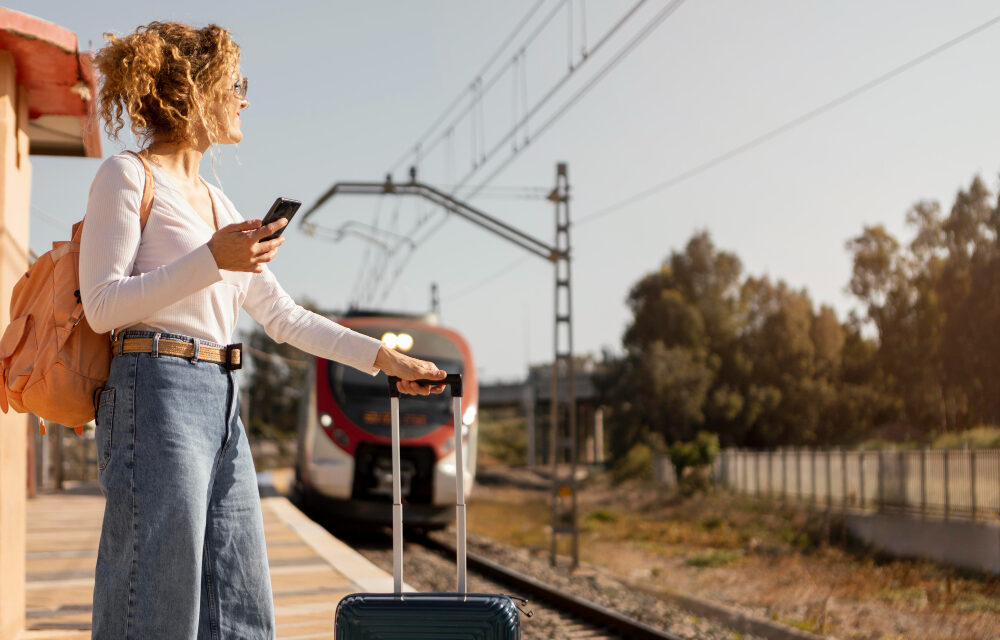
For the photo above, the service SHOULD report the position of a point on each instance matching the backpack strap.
(145, 205)
(147, 192)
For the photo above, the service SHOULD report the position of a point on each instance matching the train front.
(344, 463)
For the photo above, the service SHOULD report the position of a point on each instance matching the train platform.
(310, 568)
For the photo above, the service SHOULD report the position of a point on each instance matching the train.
(343, 466)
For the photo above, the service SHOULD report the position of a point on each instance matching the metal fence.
(941, 483)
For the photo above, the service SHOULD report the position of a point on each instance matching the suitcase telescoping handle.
(453, 380)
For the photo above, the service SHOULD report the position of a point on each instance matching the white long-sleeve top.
(164, 278)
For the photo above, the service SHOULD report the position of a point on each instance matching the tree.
(745, 358)
(933, 304)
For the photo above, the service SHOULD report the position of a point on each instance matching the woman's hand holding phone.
(235, 247)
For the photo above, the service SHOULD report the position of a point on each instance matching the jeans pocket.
(105, 422)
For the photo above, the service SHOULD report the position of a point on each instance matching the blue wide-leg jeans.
(182, 552)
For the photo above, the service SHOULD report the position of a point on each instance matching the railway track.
(580, 618)
(562, 607)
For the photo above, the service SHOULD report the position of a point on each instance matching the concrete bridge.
(532, 397)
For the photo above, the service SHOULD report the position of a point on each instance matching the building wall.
(15, 190)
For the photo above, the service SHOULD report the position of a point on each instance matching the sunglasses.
(240, 88)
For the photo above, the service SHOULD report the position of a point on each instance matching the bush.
(637, 464)
(981, 437)
(697, 453)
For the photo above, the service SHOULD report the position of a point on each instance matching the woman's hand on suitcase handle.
(403, 366)
(235, 246)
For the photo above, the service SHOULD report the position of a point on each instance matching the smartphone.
(282, 208)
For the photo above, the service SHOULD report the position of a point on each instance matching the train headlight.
(470, 415)
(402, 341)
(325, 419)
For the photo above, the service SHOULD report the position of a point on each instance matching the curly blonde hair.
(165, 76)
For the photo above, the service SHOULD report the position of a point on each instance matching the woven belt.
(230, 355)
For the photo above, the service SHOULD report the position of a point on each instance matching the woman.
(182, 550)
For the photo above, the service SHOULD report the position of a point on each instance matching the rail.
(594, 616)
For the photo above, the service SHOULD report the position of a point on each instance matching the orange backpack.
(52, 363)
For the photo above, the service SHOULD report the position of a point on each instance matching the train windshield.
(364, 398)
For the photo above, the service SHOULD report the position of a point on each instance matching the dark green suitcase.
(389, 616)
(445, 616)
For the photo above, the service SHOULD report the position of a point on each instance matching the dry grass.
(770, 560)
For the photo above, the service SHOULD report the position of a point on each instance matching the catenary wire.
(477, 84)
(51, 219)
(642, 34)
(745, 147)
(461, 293)
(458, 99)
(363, 267)
(791, 124)
(554, 89)
(621, 55)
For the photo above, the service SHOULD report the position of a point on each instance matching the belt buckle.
(232, 364)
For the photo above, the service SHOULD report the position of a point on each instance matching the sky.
(340, 91)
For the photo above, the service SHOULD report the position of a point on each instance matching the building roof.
(60, 83)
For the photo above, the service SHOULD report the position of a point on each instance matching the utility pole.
(564, 494)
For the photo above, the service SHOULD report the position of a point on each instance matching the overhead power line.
(788, 126)
(372, 277)
(523, 122)
(746, 146)
(641, 35)
(416, 149)
(51, 219)
(621, 55)
(505, 270)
